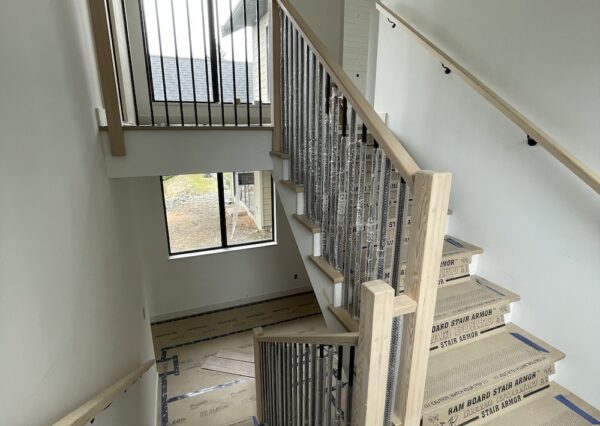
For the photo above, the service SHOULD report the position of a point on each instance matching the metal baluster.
(326, 165)
(360, 207)
(177, 62)
(204, 38)
(246, 56)
(351, 150)
(350, 391)
(189, 28)
(329, 384)
(149, 74)
(333, 173)
(294, 383)
(306, 363)
(309, 139)
(128, 44)
(214, 12)
(373, 216)
(384, 195)
(162, 62)
(319, 396)
(318, 139)
(283, 61)
(284, 82)
(338, 248)
(338, 386)
(313, 382)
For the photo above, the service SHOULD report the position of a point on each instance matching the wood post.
(375, 329)
(429, 215)
(275, 26)
(258, 332)
(108, 81)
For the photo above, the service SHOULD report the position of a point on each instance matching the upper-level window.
(215, 49)
(208, 211)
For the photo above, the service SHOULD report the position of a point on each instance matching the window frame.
(222, 221)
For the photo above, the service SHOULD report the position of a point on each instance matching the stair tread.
(474, 294)
(472, 368)
(335, 275)
(310, 225)
(279, 154)
(557, 406)
(293, 186)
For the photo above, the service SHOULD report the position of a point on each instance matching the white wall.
(538, 223)
(357, 18)
(71, 294)
(178, 287)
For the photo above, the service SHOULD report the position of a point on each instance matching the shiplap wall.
(356, 40)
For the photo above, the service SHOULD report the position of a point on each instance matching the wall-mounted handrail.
(89, 409)
(400, 158)
(586, 174)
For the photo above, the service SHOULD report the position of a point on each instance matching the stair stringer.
(321, 283)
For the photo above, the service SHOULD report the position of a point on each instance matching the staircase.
(438, 352)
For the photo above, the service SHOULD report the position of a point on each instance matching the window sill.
(222, 250)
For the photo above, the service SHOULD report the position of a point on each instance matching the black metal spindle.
(350, 385)
(338, 384)
(217, 36)
(260, 106)
(149, 80)
(162, 63)
(235, 115)
(246, 51)
(208, 99)
(114, 53)
(128, 43)
(187, 9)
(177, 62)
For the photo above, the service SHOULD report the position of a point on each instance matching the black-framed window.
(207, 211)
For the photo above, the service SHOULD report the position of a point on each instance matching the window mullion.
(222, 217)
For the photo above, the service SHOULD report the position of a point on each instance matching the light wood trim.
(400, 158)
(374, 338)
(430, 204)
(127, 127)
(279, 154)
(586, 174)
(344, 317)
(92, 407)
(275, 29)
(307, 223)
(334, 275)
(313, 339)
(106, 71)
(403, 305)
(257, 334)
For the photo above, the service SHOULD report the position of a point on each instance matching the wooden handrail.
(591, 178)
(398, 155)
(312, 339)
(95, 405)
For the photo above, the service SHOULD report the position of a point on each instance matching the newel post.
(106, 69)
(431, 194)
(374, 337)
(275, 26)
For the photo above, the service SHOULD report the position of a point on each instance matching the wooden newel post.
(275, 25)
(258, 374)
(106, 70)
(429, 216)
(374, 335)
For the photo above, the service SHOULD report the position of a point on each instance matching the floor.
(206, 362)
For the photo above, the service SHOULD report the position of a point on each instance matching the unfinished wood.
(393, 148)
(229, 366)
(280, 154)
(344, 317)
(333, 274)
(200, 127)
(92, 407)
(374, 336)
(308, 224)
(257, 333)
(106, 71)
(430, 204)
(313, 339)
(275, 68)
(292, 186)
(404, 305)
(591, 178)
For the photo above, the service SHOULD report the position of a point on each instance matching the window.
(209, 211)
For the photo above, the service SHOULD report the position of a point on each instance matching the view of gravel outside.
(192, 208)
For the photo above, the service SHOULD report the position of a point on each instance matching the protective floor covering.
(194, 353)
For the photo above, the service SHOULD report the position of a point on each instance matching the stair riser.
(490, 400)
(467, 328)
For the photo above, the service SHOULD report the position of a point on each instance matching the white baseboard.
(229, 304)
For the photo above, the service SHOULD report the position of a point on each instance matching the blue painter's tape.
(454, 242)
(255, 421)
(528, 342)
(577, 410)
